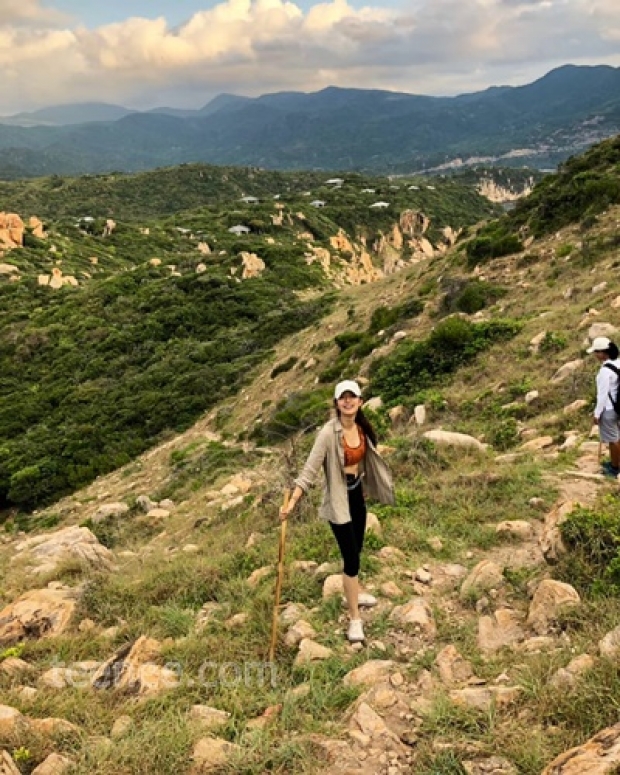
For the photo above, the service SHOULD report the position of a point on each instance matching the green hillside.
(155, 330)
(136, 613)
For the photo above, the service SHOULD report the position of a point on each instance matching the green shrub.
(471, 296)
(552, 342)
(592, 537)
(416, 366)
(493, 241)
(386, 317)
(286, 365)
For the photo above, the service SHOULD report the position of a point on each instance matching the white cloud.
(29, 12)
(254, 46)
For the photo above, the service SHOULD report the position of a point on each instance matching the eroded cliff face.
(498, 194)
(352, 261)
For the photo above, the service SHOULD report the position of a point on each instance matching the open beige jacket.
(328, 453)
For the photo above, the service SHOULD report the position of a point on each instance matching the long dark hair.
(364, 423)
(612, 351)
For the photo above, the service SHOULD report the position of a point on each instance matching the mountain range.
(539, 124)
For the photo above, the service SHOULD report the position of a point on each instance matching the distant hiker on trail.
(346, 450)
(605, 414)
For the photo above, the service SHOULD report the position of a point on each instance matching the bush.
(486, 248)
(592, 537)
(386, 317)
(286, 365)
(416, 366)
(471, 296)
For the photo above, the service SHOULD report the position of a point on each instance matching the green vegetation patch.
(417, 366)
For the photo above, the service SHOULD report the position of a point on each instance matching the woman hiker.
(346, 450)
(605, 416)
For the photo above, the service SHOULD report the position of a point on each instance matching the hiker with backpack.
(607, 410)
(345, 448)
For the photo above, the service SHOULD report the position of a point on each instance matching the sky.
(182, 53)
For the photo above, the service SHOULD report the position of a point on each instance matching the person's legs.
(345, 537)
(610, 434)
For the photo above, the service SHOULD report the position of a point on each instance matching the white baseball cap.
(599, 344)
(347, 386)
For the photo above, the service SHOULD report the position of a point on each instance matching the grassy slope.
(456, 496)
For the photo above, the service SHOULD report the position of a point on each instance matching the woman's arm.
(309, 472)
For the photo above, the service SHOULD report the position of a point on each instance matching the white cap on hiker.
(347, 386)
(599, 344)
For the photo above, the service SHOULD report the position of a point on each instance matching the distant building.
(432, 188)
(414, 188)
(249, 200)
(317, 203)
(368, 191)
(239, 229)
(334, 182)
(380, 205)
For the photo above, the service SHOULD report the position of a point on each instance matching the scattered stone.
(258, 575)
(567, 677)
(531, 396)
(304, 566)
(486, 575)
(370, 673)
(373, 525)
(501, 629)
(538, 444)
(391, 590)
(298, 631)
(419, 414)
(517, 528)
(416, 613)
(212, 753)
(567, 370)
(310, 651)
(485, 698)
(209, 718)
(453, 668)
(452, 439)
(600, 755)
(423, 576)
(54, 764)
(332, 586)
(550, 600)
(121, 727)
(391, 554)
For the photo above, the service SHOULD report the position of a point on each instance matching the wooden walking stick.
(276, 607)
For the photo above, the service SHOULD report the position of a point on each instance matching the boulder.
(49, 550)
(551, 599)
(600, 755)
(40, 613)
(452, 439)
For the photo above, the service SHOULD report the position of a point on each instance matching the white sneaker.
(355, 633)
(364, 600)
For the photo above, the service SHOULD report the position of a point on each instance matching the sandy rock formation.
(252, 265)
(11, 231)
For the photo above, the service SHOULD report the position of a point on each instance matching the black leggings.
(350, 536)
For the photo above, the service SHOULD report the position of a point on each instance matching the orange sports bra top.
(353, 455)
